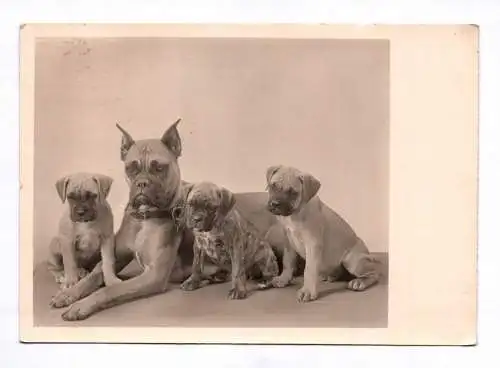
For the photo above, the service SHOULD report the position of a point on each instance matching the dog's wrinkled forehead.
(148, 150)
(285, 178)
(204, 193)
(81, 183)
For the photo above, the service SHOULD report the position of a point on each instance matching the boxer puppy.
(85, 229)
(149, 231)
(318, 234)
(226, 237)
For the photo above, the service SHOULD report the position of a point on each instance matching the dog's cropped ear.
(172, 139)
(227, 202)
(62, 187)
(271, 171)
(310, 186)
(103, 185)
(127, 142)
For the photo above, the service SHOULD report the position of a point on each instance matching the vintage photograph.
(253, 157)
(205, 181)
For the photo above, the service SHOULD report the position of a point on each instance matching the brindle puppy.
(228, 239)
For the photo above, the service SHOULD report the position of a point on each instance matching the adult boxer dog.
(85, 229)
(149, 231)
(319, 235)
(227, 238)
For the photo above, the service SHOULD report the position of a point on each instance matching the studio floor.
(209, 307)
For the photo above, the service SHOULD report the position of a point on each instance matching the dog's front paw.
(192, 283)
(70, 280)
(357, 285)
(280, 282)
(329, 278)
(237, 293)
(112, 280)
(218, 277)
(77, 312)
(305, 295)
(63, 298)
(59, 278)
(82, 272)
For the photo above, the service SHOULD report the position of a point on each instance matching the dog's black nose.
(80, 211)
(197, 218)
(274, 204)
(142, 183)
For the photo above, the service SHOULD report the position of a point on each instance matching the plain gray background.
(485, 13)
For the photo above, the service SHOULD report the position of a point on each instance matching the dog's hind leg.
(55, 261)
(95, 279)
(363, 266)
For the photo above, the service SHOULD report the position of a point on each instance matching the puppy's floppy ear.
(103, 185)
(62, 187)
(172, 139)
(179, 210)
(127, 142)
(227, 202)
(186, 189)
(310, 186)
(271, 171)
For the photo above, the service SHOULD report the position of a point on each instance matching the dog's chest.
(149, 236)
(87, 240)
(298, 235)
(214, 247)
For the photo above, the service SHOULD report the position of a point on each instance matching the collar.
(175, 214)
(151, 214)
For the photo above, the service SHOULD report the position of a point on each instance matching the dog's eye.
(89, 195)
(132, 168)
(71, 196)
(292, 192)
(158, 167)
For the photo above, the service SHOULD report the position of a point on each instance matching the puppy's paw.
(192, 283)
(70, 280)
(77, 312)
(357, 285)
(236, 293)
(305, 295)
(330, 278)
(63, 298)
(218, 277)
(82, 272)
(280, 282)
(59, 278)
(112, 280)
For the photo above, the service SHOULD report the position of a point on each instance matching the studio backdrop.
(319, 105)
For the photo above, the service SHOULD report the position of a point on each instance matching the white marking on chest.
(147, 228)
(149, 233)
(298, 234)
(213, 246)
(87, 239)
(82, 228)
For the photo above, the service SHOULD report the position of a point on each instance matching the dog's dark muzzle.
(200, 222)
(82, 214)
(279, 208)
